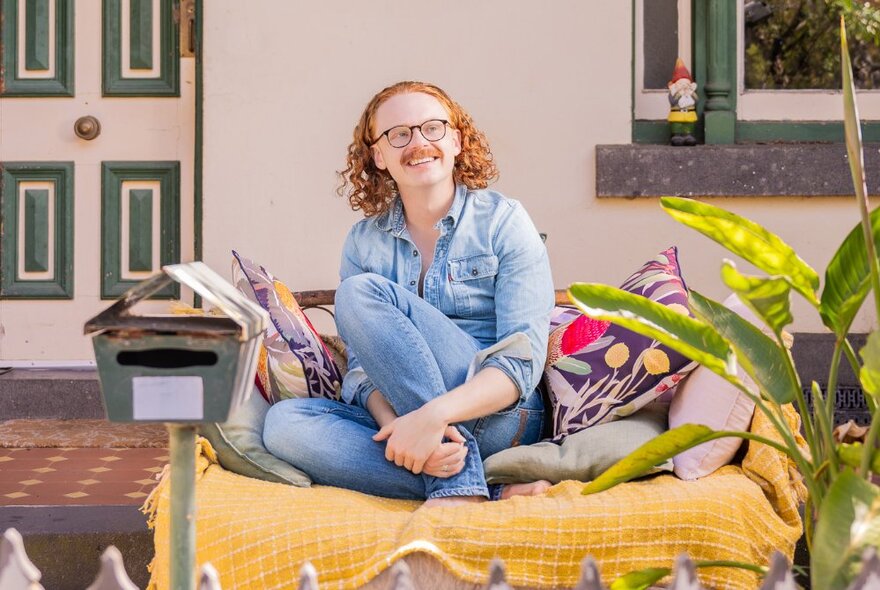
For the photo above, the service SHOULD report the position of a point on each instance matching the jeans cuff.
(495, 490)
(469, 491)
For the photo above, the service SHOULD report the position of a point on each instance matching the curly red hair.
(372, 190)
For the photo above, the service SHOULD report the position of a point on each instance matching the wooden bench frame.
(322, 298)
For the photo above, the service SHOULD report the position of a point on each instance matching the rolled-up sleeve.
(523, 303)
(356, 386)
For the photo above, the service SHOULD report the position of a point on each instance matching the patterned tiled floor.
(69, 476)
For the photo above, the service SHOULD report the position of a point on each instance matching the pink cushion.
(705, 398)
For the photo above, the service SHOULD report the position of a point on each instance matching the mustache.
(422, 152)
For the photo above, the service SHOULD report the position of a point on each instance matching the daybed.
(257, 534)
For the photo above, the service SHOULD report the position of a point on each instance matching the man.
(444, 306)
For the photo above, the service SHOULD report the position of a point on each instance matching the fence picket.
(497, 576)
(308, 577)
(112, 575)
(16, 570)
(590, 578)
(779, 577)
(869, 577)
(684, 575)
(208, 579)
(401, 577)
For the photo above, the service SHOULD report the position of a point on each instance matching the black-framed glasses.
(401, 135)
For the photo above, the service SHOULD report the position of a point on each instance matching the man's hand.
(412, 438)
(448, 459)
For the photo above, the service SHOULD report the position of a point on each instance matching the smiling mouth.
(421, 161)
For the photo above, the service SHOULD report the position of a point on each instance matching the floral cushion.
(597, 371)
(294, 362)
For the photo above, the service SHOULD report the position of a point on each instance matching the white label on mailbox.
(167, 398)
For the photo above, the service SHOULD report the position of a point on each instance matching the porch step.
(74, 487)
(50, 394)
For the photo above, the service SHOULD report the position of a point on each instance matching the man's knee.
(289, 419)
(359, 290)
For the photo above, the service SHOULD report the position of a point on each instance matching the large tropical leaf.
(851, 126)
(662, 448)
(855, 155)
(870, 372)
(768, 297)
(849, 521)
(679, 332)
(747, 239)
(848, 279)
(766, 362)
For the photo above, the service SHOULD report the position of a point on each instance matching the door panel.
(37, 238)
(38, 46)
(55, 212)
(141, 224)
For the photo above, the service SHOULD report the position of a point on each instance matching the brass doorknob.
(87, 127)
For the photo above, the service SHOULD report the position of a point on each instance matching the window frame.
(735, 115)
(778, 105)
(651, 103)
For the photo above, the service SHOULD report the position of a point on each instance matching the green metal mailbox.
(174, 368)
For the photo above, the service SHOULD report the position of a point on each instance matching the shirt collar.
(394, 221)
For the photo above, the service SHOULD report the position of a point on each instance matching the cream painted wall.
(286, 81)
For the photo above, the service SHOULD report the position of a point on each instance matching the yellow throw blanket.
(258, 534)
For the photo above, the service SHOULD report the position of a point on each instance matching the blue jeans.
(412, 354)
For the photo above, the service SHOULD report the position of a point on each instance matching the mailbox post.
(180, 370)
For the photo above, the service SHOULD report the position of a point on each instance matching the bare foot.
(453, 501)
(536, 488)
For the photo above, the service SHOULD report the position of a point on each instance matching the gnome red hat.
(680, 72)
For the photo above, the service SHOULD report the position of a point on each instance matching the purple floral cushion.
(294, 362)
(597, 371)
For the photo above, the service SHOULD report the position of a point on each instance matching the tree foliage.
(795, 45)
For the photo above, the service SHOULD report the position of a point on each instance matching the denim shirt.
(490, 275)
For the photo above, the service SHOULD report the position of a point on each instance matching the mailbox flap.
(213, 288)
(244, 317)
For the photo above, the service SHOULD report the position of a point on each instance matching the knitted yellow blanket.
(258, 534)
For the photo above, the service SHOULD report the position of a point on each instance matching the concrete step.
(74, 487)
(66, 542)
(50, 394)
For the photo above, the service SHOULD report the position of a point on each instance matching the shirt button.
(415, 252)
(412, 283)
(474, 271)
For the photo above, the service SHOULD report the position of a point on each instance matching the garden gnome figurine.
(683, 106)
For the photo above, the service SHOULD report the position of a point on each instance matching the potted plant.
(842, 516)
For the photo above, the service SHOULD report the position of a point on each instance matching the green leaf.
(654, 452)
(662, 448)
(849, 521)
(851, 454)
(641, 579)
(682, 333)
(851, 126)
(848, 279)
(768, 297)
(573, 365)
(645, 578)
(767, 363)
(747, 239)
(869, 374)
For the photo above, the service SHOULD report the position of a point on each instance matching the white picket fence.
(18, 573)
